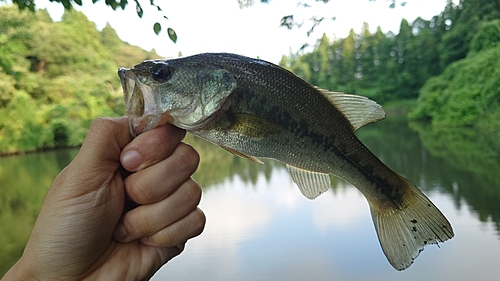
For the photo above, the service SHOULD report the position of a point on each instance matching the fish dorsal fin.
(254, 126)
(243, 155)
(311, 184)
(359, 110)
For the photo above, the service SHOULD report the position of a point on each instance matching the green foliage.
(468, 91)
(113, 4)
(171, 34)
(384, 67)
(56, 77)
(487, 37)
(389, 67)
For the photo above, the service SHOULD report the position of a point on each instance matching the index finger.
(151, 147)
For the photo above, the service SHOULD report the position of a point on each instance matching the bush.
(466, 94)
(488, 36)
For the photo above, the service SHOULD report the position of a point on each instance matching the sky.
(221, 26)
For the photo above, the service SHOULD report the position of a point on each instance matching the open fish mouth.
(140, 103)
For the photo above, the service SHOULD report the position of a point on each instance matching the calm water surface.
(260, 227)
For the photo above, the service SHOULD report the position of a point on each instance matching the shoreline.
(47, 149)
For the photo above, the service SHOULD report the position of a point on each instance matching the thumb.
(103, 144)
(99, 157)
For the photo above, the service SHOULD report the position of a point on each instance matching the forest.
(56, 77)
(449, 64)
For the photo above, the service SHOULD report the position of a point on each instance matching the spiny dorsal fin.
(359, 110)
(311, 184)
(243, 155)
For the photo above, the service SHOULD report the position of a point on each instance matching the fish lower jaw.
(191, 124)
(139, 125)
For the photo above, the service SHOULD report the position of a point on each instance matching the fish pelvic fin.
(359, 110)
(242, 155)
(404, 232)
(311, 184)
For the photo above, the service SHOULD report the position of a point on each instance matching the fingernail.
(120, 232)
(131, 159)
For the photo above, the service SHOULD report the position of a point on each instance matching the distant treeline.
(459, 49)
(56, 77)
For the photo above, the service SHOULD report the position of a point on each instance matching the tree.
(367, 72)
(157, 27)
(467, 92)
(113, 4)
(56, 77)
(13, 35)
(348, 63)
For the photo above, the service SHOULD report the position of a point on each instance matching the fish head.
(186, 94)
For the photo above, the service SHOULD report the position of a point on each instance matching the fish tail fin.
(404, 232)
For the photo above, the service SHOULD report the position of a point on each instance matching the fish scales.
(253, 108)
(306, 118)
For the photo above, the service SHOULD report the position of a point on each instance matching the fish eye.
(161, 74)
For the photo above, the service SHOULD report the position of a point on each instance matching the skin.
(96, 224)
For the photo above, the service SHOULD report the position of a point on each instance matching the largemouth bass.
(253, 108)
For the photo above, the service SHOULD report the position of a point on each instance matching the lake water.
(260, 227)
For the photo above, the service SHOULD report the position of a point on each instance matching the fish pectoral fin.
(310, 183)
(254, 126)
(243, 155)
(358, 110)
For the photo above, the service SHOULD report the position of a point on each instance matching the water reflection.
(263, 229)
(470, 165)
(260, 227)
(269, 231)
(24, 181)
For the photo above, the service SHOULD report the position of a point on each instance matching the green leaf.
(25, 4)
(79, 2)
(172, 34)
(165, 17)
(138, 8)
(67, 4)
(112, 4)
(123, 3)
(157, 28)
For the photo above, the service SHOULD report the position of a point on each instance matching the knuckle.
(136, 191)
(168, 239)
(164, 143)
(151, 147)
(198, 221)
(129, 225)
(189, 158)
(191, 192)
(99, 125)
(162, 138)
(141, 225)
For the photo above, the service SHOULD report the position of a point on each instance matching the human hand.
(85, 231)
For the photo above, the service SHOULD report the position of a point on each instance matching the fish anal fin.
(254, 126)
(242, 155)
(359, 110)
(310, 183)
(404, 232)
